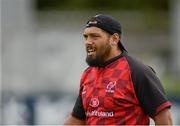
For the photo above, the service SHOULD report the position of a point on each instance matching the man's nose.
(88, 41)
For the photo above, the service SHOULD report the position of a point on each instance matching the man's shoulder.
(88, 69)
(138, 66)
(86, 72)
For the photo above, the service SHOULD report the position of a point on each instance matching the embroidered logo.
(111, 87)
(94, 102)
(91, 23)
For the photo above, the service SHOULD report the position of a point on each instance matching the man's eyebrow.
(90, 34)
(85, 35)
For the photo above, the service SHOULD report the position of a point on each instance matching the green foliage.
(102, 4)
(171, 85)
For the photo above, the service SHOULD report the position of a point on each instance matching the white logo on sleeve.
(94, 102)
(84, 90)
(111, 87)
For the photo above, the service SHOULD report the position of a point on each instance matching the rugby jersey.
(123, 91)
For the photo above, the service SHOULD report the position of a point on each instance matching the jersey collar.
(113, 59)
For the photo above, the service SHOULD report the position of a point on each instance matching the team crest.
(111, 87)
(94, 102)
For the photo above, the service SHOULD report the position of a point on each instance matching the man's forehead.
(93, 30)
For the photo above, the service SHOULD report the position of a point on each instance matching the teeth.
(90, 49)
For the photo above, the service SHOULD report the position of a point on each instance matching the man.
(116, 89)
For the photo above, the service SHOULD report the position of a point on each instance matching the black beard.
(97, 62)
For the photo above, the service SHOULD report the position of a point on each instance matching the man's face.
(97, 43)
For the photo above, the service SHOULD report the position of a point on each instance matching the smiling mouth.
(90, 50)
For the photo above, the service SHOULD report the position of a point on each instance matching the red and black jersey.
(123, 91)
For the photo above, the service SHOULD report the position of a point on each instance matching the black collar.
(113, 59)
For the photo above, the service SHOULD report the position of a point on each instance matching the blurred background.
(43, 55)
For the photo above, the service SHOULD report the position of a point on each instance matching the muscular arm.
(73, 121)
(163, 117)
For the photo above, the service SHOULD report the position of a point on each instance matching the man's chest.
(107, 90)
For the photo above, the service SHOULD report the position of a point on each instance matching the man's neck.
(113, 54)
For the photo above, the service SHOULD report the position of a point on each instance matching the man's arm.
(77, 117)
(71, 120)
(163, 117)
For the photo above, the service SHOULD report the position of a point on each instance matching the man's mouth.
(90, 50)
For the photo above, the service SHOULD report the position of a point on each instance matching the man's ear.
(115, 39)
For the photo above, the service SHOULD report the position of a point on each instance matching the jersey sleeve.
(78, 110)
(148, 88)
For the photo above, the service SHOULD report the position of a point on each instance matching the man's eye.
(85, 36)
(96, 36)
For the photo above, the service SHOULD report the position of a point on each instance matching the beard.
(99, 59)
(94, 62)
